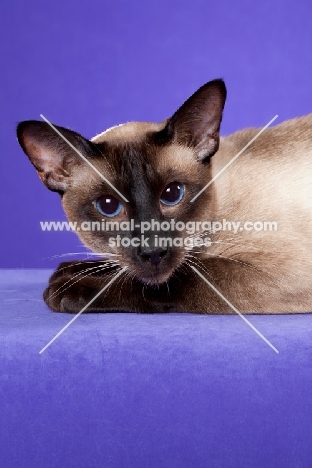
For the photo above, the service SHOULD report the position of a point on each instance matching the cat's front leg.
(74, 284)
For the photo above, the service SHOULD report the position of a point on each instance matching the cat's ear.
(196, 123)
(53, 158)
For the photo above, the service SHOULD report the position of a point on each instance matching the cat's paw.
(71, 287)
(59, 300)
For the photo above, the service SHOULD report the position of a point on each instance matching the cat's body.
(257, 271)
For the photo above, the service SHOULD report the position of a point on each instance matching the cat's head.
(136, 171)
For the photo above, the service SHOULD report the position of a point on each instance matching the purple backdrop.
(90, 65)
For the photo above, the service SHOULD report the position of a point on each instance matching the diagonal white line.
(84, 158)
(233, 159)
(82, 310)
(235, 310)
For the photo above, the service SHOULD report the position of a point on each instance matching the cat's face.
(159, 182)
(157, 168)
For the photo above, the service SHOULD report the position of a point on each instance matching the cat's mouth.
(150, 274)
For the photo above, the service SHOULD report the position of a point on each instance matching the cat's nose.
(153, 256)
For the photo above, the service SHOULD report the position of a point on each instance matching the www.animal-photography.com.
(156, 266)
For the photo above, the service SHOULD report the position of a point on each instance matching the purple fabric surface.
(128, 390)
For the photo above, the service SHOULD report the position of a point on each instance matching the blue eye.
(172, 194)
(108, 206)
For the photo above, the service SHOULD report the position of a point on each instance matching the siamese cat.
(155, 173)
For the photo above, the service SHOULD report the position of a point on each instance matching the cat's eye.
(172, 194)
(108, 206)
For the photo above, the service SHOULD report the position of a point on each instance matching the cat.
(157, 171)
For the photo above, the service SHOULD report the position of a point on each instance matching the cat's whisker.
(106, 253)
(115, 273)
(245, 264)
(61, 290)
(108, 276)
(227, 258)
(110, 261)
(87, 254)
(143, 292)
(190, 259)
(231, 240)
(123, 278)
(128, 277)
(52, 257)
(189, 263)
(167, 284)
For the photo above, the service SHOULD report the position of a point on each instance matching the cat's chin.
(154, 279)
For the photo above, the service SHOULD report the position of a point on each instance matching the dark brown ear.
(51, 155)
(196, 123)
